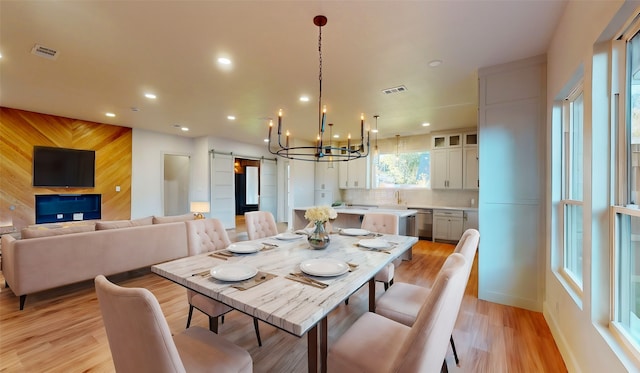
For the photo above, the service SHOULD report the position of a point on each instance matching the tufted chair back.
(379, 222)
(205, 235)
(260, 224)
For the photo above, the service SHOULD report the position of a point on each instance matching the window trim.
(575, 284)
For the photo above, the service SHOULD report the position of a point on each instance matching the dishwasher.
(424, 223)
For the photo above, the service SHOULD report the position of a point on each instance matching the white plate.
(355, 232)
(375, 243)
(288, 236)
(324, 267)
(240, 248)
(233, 272)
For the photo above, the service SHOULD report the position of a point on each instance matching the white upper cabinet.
(442, 141)
(354, 174)
(471, 161)
(446, 169)
(454, 160)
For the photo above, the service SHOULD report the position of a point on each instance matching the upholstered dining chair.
(388, 224)
(140, 339)
(377, 344)
(260, 224)
(206, 235)
(403, 301)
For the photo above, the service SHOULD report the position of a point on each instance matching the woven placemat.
(259, 278)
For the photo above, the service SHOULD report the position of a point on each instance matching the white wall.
(148, 149)
(579, 324)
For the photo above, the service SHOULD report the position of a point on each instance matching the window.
(572, 180)
(402, 170)
(626, 223)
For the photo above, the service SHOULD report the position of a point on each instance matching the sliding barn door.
(223, 205)
(268, 187)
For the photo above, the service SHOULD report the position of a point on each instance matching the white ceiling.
(111, 52)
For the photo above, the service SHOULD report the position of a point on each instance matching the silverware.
(203, 273)
(269, 244)
(309, 279)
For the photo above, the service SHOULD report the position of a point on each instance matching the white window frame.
(568, 201)
(621, 187)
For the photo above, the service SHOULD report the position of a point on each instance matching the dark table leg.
(323, 345)
(372, 295)
(312, 349)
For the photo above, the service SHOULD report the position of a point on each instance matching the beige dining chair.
(377, 344)
(206, 235)
(403, 301)
(388, 224)
(141, 341)
(260, 224)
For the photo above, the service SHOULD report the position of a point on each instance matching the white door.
(223, 200)
(268, 187)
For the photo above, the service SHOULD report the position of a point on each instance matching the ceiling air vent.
(398, 89)
(45, 52)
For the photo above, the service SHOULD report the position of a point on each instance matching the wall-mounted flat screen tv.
(60, 167)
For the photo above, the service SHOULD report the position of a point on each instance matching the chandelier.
(321, 151)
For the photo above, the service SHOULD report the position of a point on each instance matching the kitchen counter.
(433, 207)
(351, 216)
(402, 213)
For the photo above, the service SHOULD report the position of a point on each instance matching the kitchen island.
(351, 217)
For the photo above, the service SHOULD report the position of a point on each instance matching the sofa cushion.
(116, 224)
(172, 219)
(47, 232)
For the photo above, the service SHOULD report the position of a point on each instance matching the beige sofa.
(44, 260)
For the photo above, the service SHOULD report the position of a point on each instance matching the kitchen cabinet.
(446, 168)
(354, 174)
(326, 183)
(471, 175)
(447, 225)
(470, 220)
(448, 140)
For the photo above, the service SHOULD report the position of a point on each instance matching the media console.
(54, 208)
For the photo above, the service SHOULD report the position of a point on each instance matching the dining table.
(284, 282)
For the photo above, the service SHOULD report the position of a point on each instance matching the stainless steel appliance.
(424, 223)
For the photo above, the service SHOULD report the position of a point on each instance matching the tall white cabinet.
(511, 125)
(326, 191)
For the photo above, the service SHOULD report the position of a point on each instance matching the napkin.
(259, 278)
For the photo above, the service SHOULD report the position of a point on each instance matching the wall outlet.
(59, 216)
(117, 188)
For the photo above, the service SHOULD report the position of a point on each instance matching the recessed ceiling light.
(374, 130)
(150, 96)
(266, 140)
(0, 55)
(184, 129)
(304, 98)
(110, 115)
(435, 63)
(336, 136)
(426, 124)
(231, 117)
(224, 61)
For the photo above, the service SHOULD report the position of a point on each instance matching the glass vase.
(319, 238)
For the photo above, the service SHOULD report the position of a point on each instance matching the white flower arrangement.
(320, 213)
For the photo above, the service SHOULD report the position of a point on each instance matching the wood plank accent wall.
(21, 130)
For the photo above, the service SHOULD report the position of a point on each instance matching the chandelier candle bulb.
(318, 152)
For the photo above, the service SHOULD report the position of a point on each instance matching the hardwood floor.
(62, 331)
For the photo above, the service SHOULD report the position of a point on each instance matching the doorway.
(176, 184)
(247, 185)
